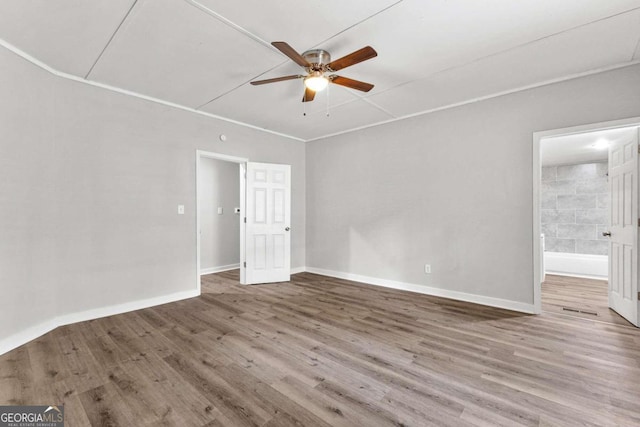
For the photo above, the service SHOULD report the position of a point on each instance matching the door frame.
(241, 161)
(537, 170)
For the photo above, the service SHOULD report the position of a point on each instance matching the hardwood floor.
(575, 296)
(319, 351)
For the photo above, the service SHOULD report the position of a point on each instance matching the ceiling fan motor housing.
(318, 59)
(317, 63)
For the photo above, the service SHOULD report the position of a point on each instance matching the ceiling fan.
(318, 65)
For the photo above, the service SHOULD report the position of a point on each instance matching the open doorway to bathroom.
(575, 206)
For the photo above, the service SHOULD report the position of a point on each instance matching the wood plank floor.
(326, 352)
(565, 295)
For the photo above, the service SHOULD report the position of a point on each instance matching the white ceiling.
(581, 147)
(203, 53)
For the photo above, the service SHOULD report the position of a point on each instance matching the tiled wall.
(574, 208)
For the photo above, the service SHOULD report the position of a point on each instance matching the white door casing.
(623, 240)
(268, 221)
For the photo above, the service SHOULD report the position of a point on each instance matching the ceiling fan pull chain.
(317, 64)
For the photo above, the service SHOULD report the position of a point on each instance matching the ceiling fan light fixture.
(316, 82)
(317, 62)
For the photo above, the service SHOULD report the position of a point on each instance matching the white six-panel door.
(268, 219)
(623, 243)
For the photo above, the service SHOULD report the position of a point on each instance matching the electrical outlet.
(427, 269)
(180, 209)
(220, 210)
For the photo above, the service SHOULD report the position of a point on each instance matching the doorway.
(585, 188)
(262, 214)
(219, 213)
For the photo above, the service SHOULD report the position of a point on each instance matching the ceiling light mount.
(317, 63)
(316, 81)
(318, 59)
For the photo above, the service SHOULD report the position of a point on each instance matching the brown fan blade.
(308, 95)
(353, 84)
(353, 58)
(291, 53)
(277, 79)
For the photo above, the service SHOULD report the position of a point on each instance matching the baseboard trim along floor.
(33, 332)
(428, 290)
(36, 331)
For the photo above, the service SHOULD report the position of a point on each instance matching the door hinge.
(638, 222)
(245, 219)
(245, 264)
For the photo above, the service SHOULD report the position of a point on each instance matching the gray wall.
(574, 201)
(451, 188)
(90, 185)
(28, 220)
(219, 186)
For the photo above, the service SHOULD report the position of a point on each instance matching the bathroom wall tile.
(592, 216)
(597, 185)
(575, 207)
(577, 231)
(603, 201)
(548, 173)
(549, 230)
(602, 229)
(577, 201)
(559, 245)
(548, 216)
(558, 187)
(548, 201)
(592, 247)
(577, 172)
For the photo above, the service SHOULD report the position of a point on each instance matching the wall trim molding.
(483, 98)
(33, 332)
(219, 269)
(429, 290)
(580, 276)
(298, 270)
(68, 76)
(119, 90)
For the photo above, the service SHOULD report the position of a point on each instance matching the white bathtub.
(579, 265)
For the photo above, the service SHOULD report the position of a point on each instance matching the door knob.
(606, 233)
(287, 229)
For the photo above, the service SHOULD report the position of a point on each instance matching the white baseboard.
(428, 290)
(33, 332)
(294, 270)
(220, 269)
(577, 265)
(579, 276)
(297, 270)
(36, 331)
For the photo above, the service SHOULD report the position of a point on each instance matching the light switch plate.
(180, 209)
(219, 211)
